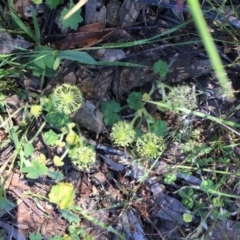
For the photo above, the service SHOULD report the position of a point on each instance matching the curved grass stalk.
(210, 47)
(198, 114)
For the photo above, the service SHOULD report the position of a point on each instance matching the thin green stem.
(210, 47)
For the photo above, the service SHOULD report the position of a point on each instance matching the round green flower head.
(123, 134)
(183, 96)
(187, 217)
(36, 110)
(149, 145)
(83, 157)
(67, 98)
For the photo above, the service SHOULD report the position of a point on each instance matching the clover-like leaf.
(206, 184)
(57, 119)
(110, 110)
(73, 20)
(42, 60)
(35, 170)
(56, 175)
(135, 100)
(28, 149)
(170, 178)
(161, 68)
(62, 194)
(33, 236)
(69, 216)
(159, 128)
(50, 137)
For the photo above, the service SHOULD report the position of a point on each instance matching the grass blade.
(210, 47)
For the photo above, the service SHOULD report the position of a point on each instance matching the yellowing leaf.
(62, 194)
(58, 162)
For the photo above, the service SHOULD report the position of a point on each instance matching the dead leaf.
(95, 12)
(12, 232)
(169, 208)
(85, 36)
(129, 12)
(111, 55)
(89, 117)
(8, 44)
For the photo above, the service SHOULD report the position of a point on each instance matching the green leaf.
(14, 137)
(36, 170)
(57, 119)
(42, 60)
(135, 100)
(182, 194)
(122, 64)
(56, 63)
(74, 55)
(54, 3)
(6, 205)
(73, 20)
(110, 111)
(62, 194)
(170, 178)
(188, 202)
(161, 68)
(20, 23)
(56, 238)
(37, 29)
(69, 216)
(2, 101)
(206, 184)
(111, 119)
(110, 106)
(28, 149)
(55, 175)
(36, 236)
(50, 137)
(159, 128)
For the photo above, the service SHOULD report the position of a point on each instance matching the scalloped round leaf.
(62, 194)
(73, 20)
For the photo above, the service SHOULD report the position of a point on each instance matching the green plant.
(110, 110)
(170, 178)
(149, 145)
(144, 136)
(188, 198)
(35, 170)
(123, 134)
(67, 98)
(62, 194)
(182, 96)
(72, 21)
(187, 217)
(161, 68)
(35, 236)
